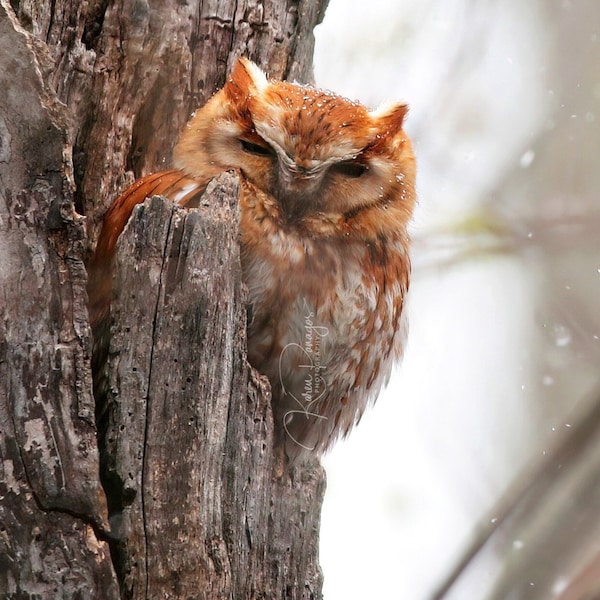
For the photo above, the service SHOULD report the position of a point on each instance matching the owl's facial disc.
(294, 181)
(301, 176)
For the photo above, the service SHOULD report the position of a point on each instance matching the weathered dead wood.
(52, 506)
(191, 434)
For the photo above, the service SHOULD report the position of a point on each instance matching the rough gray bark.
(96, 94)
(191, 432)
(52, 507)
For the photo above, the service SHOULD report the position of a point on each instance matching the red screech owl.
(327, 191)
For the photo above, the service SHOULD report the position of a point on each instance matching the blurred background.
(504, 344)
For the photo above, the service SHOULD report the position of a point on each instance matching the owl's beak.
(296, 188)
(302, 180)
(299, 178)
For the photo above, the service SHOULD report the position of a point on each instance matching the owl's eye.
(256, 149)
(349, 168)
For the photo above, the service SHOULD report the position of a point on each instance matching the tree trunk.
(194, 502)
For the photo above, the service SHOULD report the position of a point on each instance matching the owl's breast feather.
(326, 326)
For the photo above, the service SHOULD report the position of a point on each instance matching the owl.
(327, 191)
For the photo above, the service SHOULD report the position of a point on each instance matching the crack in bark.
(93, 23)
(51, 20)
(161, 284)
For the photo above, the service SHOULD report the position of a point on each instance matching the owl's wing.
(175, 186)
(172, 184)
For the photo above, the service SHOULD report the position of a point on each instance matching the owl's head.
(315, 153)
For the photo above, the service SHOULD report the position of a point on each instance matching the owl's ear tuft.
(246, 79)
(389, 118)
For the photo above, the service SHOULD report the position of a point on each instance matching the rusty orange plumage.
(327, 191)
